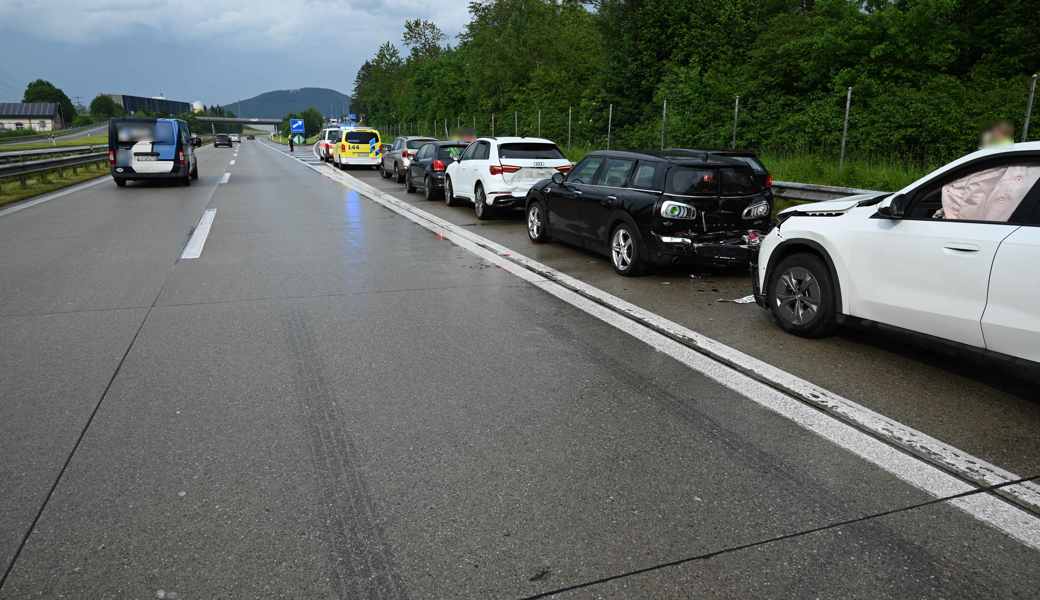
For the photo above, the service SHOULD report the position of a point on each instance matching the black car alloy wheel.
(801, 296)
(536, 226)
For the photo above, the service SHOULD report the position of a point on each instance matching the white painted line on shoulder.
(48, 197)
(226, 177)
(198, 237)
(232, 163)
(855, 428)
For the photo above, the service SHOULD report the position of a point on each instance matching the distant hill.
(277, 104)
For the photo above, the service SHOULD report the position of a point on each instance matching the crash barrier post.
(610, 123)
(1029, 108)
(736, 115)
(664, 119)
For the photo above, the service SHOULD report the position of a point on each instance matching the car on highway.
(951, 256)
(250, 137)
(150, 148)
(326, 139)
(235, 138)
(643, 209)
(359, 146)
(427, 169)
(222, 139)
(398, 155)
(495, 173)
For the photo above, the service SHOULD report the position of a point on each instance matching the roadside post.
(569, 110)
(736, 115)
(516, 123)
(492, 124)
(845, 130)
(1029, 108)
(610, 123)
(664, 119)
(539, 122)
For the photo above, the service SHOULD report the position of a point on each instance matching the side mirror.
(386, 147)
(196, 141)
(557, 178)
(895, 209)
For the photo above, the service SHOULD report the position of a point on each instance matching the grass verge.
(88, 140)
(11, 190)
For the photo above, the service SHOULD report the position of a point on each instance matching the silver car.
(397, 156)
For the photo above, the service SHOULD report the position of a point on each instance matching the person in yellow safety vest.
(1000, 133)
(291, 149)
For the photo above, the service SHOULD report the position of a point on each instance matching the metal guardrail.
(21, 169)
(816, 193)
(19, 155)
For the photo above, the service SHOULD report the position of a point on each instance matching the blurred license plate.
(144, 157)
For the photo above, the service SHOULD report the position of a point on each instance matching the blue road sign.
(352, 117)
(296, 126)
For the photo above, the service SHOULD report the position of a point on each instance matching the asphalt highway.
(333, 401)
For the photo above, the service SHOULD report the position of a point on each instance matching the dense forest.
(927, 75)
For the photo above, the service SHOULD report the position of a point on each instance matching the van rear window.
(160, 132)
(530, 150)
(333, 135)
(360, 137)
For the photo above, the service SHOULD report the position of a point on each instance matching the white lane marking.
(48, 197)
(987, 508)
(226, 177)
(198, 238)
(231, 163)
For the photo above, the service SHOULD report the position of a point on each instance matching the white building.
(37, 116)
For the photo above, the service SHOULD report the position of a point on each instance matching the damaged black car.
(693, 207)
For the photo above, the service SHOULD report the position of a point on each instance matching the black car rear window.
(450, 152)
(739, 182)
(413, 144)
(692, 181)
(360, 137)
(529, 150)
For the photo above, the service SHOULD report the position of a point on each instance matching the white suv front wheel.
(801, 296)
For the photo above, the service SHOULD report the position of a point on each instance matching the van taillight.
(111, 157)
(500, 169)
(180, 156)
(438, 165)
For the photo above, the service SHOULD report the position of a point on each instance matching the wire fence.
(603, 126)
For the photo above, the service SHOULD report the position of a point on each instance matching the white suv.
(495, 173)
(953, 255)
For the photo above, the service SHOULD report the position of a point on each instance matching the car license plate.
(144, 157)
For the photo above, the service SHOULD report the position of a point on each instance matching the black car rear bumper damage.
(722, 248)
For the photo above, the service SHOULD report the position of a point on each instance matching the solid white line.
(225, 178)
(923, 475)
(198, 237)
(48, 197)
(231, 163)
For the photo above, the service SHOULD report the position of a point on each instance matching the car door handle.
(577, 192)
(961, 247)
(609, 201)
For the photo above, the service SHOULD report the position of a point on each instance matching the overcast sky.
(216, 51)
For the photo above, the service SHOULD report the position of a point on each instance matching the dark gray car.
(397, 156)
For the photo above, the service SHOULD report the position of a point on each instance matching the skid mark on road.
(361, 561)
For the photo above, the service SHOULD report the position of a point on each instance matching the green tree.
(44, 91)
(104, 107)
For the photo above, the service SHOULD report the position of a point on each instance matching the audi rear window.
(360, 137)
(530, 150)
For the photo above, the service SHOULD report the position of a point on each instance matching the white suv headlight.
(757, 210)
(677, 210)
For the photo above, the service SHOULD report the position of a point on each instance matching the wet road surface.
(332, 402)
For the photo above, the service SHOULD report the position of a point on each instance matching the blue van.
(152, 149)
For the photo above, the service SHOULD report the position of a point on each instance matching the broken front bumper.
(723, 248)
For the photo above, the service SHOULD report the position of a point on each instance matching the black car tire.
(449, 193)
(195, 171)
(431, 194)
(120, 182)
(537, 225)
(408, 185)
(627, 254)
(397, 174)
(382, 170)
(480, 207)
(800, 295)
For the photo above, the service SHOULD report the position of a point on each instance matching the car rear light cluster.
(406, 154)
(112, 158)
(500, 169)
(438, 165)
(677, 210)
(180, 157)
